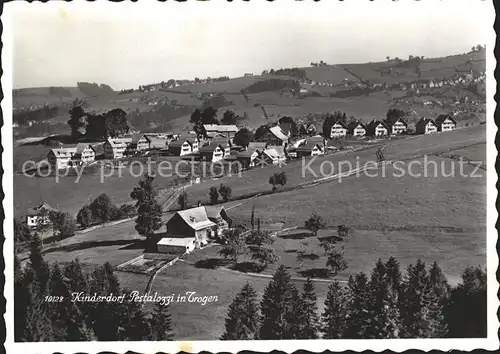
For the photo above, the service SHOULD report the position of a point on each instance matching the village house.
(426, 126)
(183, 147)
(156, 142)
(214, 130)
(84, 154)
(377, 128)
(194, 228)
(114, 148)
(137, 145)
(445, 123)
(275, 136)
(338, 129)
(247, 157)
(61, 158)
(356, 128)
(398, 126)
(39, 215)
(310, 148)
(215, 150)
(271, 156)
(176, 245)
(218, 215)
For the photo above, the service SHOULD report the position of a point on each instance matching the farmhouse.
(156, 142)
(200, 223)
(310, 148)
(426, 126)
(39, 215)
(446, 123)
(183, 147)
(398, 126)
(214, 130)
(114, 148)
(84, 154)
(214, 151)
(218, 215)
(273, 155)
(137, 145)
(338, 129)
(247, 157)
(377, 128)
(274, 136)
(356, 128)
(176, 245)
(61, 158)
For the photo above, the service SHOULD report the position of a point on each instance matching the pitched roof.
(354, 124)
(275, 152)
(63, 152)
(182, 242)
(441, 118)
(391, 123)
(179, 142)
(196, 218)
(278, 132)
(213, 211)
(341, 123)
(157, 142)
(81, 147)
(212, 145)
(424, 122)
(309, 146)
(220, 128)
(42, 208)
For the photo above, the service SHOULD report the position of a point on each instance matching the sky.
(128, 44)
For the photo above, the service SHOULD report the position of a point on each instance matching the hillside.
(351, 88)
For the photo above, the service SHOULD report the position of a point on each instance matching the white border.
(398, 345)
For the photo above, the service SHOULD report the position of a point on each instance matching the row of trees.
(385, 304)
(208, 115)
(112, 123)
(45, 311)
(224, 192)
(101, 210)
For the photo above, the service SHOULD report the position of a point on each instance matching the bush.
(84, 216)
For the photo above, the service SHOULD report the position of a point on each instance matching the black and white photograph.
(188, 176)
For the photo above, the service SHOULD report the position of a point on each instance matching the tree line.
(45, 311)
(385, 304)
(109, 124)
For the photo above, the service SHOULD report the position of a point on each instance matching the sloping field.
(333, 73)
(70, 194)
(234, 85)
(26, 97)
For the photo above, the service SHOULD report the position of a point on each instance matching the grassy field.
(433, 218)
(69, 193)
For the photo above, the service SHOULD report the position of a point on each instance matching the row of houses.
(64, 157)
(386, 127)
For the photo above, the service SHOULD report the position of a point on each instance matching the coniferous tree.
(41, 269)
(393, 273)
(470, 294)
(161, 323)
(310, 330)
(439, 282)
(334, 315)
(421, 308)
(277, 306)
(136, 326)
(252, 217)
(149, 211)
(242, 321)
(107, 319)
(68, 321)
(359, 319)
